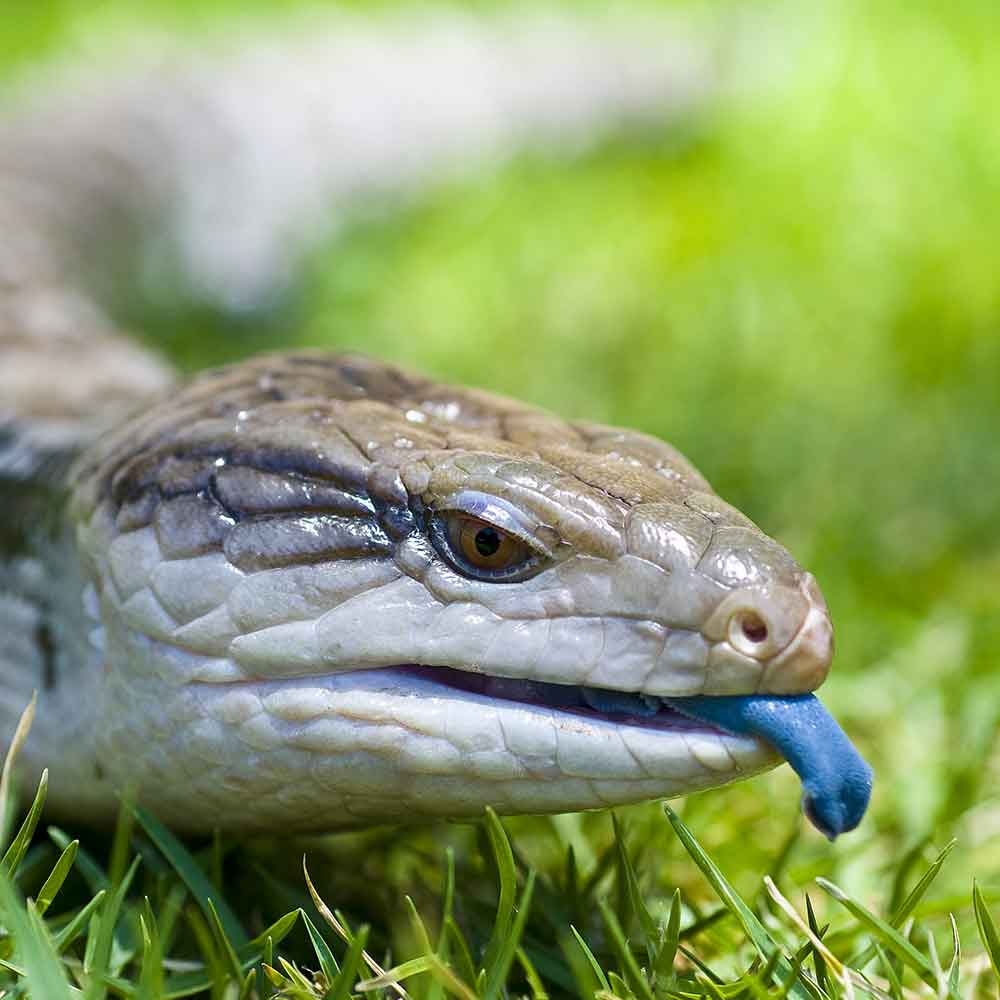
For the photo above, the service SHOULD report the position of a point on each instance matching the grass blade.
(277, 932)
(223, 941)
(663, 961)
(6, 777)
(895, 986)
(248, 990)
(626, 873)
(340, 928)
(954, 969)
(151, 970)
(755, 930)
(50, 889)
(987, 928)
(41, 966)
(508, 888)
(634, 978)
(594, 964)
(327, 963)
(101, 956)
(414, 967)
(460, 951)
(192, 876)
(75, 927)
(892, 939)
(496, 975)
(343, 984)
(535, 984)
(19, 845)
(819, 963)
(118, 859)
(93, 874)
(909, 904)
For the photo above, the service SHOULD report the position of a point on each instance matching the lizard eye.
(486, 539)
(484, 546)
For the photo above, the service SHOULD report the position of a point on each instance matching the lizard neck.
(50, 646)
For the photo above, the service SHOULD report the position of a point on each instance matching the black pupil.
(487, 541)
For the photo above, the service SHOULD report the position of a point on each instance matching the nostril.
(753, 627)
(750, 634)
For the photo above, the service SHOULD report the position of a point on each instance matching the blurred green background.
(799, 286)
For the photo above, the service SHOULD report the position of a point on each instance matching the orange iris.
(484, 546)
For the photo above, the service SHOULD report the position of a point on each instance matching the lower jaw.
(408, 742)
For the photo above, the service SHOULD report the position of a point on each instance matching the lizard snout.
(773, 638)
(804, 663)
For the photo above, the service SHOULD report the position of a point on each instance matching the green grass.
(495, 922)
(801, 290)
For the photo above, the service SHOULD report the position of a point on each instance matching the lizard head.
(345, 593)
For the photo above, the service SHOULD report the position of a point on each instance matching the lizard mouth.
(623, 707)
(836, 781)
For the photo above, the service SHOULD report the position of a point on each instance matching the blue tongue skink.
(836, 780)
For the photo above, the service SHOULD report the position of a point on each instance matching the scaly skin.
(261, 559)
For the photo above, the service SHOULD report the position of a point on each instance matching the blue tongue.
(836, 781)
